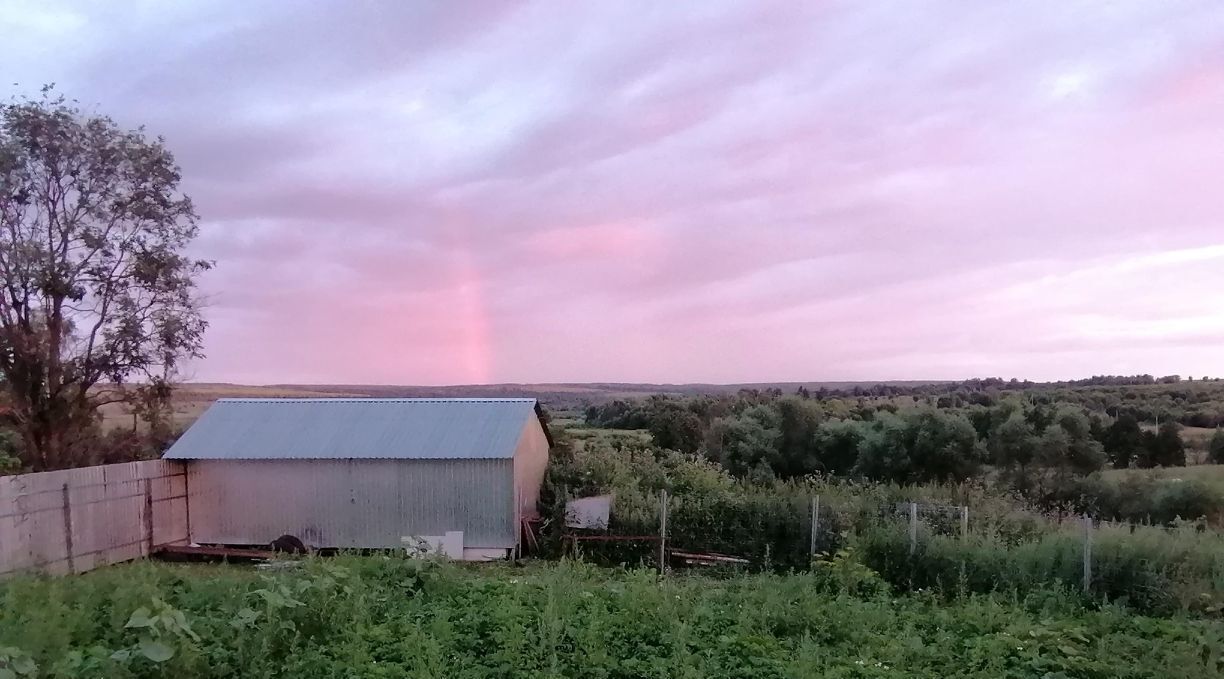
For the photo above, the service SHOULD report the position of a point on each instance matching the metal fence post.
(662, 531)
(1087, 553)
(913, 527)
(964, 522)
(815, 524)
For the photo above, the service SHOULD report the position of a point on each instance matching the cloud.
(741, 191)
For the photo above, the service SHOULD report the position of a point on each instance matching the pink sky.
(449, 192)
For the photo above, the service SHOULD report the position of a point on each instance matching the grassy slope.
(376, 617)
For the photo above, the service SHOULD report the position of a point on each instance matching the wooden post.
(518, 523)
(913, 527)
(1087, 553)
(68, 530)
(815, 524)
(187, 504)
(148, 516)
(964, 522)
(662, 531)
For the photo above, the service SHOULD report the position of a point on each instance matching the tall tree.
(1215, 450)
(1124, 441)
(1167, 447)
(97, 291)
(1014, 444)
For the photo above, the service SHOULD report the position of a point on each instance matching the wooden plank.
(75, 520)
(172, 552)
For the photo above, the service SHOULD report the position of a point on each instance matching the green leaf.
(7, 673)
(121, 655)
(141, 617)
(23, 665)
(155, 650)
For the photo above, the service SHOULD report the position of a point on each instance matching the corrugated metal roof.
(355, 428)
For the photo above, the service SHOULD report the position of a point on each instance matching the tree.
(747, 443)
(1014, 444)
(1067, 444)
(944, 448)
(97, 291)
(1166, 448)
(884, 451)
(674, 426)
(798, 419)
(1085, 454)
(919, 446)
(837, 444)
(1215, 449)
(1124, 441)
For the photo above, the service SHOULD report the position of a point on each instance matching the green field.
(391, 617)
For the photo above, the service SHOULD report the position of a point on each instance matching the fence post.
(68, 530)
(964, 522)
(1087, 552)
(815, 524)
(518, 523)
(662, 531)
(913, 527)
(148, 516)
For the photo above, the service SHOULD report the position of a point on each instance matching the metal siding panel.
(261, 429)
(351, 503)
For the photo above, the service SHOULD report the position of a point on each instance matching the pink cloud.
(738, 191)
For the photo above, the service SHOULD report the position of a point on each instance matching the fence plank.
(75, 520)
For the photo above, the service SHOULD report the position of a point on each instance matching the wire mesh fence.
(918, 544)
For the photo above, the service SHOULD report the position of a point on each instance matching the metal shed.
(365, 473)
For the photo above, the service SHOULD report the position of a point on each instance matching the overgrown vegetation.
(392, 617)
(1010, 546)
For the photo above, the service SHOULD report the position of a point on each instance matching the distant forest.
(1043, 440)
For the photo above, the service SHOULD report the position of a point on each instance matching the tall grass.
(388, 617)
(1150, 569)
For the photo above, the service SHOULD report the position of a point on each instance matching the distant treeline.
(1191, 402)
(1041, 443)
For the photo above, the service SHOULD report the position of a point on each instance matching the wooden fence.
(75, 520)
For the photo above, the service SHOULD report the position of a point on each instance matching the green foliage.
(99, 288)
(919, 446)
(1153, 571)
(1014, 443)
(10, 461)
(676, 428)
(842, 573)
(1165, 448)
(1215, 449)
(570, 620)
(837, 445)
(1124, 441)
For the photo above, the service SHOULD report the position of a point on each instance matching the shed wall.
(351, 503)
(530, 461)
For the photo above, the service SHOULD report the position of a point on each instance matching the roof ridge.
(358, 428)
